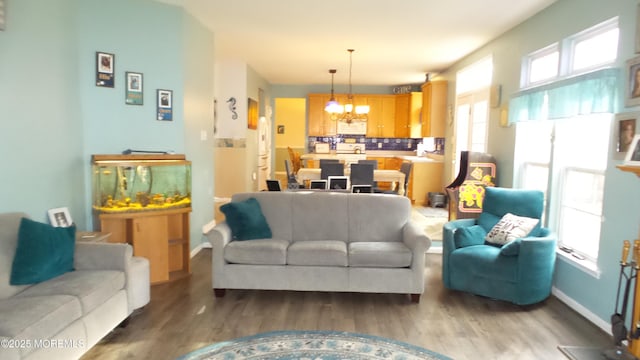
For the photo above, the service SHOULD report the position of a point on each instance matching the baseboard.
(586, 313)
(196, 250)
(208, 226)
(435, 250)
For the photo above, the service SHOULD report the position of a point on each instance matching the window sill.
(585, 265)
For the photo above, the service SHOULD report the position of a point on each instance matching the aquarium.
(139, 183)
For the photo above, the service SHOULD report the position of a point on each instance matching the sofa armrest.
(538, 255)
(449, 229)
(102, 256)
(415, 239)
(219, 237)
(448, 245)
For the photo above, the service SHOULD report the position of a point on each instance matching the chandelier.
(347, 112)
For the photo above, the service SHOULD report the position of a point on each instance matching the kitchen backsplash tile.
(389, 144)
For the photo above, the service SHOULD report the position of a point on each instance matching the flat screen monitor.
(274, 185)
(361, 189)
(318, 184)
(338, 182)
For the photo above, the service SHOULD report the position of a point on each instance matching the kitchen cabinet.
(382, 115)
(381, 122)
(408, 123)
(320, 123)
(434, 108)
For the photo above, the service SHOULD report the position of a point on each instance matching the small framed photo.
(633, 155)
(133, 92)
(60, 217)
(626, 125)
(252, 114)
(633, 82)
(165, 105)
(105, 66)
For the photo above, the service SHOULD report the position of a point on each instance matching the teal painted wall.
(622, 190)
(41, 129)
(54, 117)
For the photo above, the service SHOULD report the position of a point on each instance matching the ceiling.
(395, 42)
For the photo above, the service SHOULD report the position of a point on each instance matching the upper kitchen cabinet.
(382, 112)
(407, 121)
(320, 123)
(434, 108)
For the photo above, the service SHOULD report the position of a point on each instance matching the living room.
(50, 134)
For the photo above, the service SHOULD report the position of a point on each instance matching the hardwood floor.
(184, 315)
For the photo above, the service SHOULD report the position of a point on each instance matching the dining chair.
(294, 157)
(331, 169)
(374, 187)
(292, 182)
(329, 161)
(361, 174)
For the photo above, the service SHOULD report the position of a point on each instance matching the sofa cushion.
(511, 248)
(91, 287)
(43, 252)
(379, 254)
(276, 208)
(246, 220)
(377, 217)
(320, 216)
(469, 236)
(257, 252)
(318, 253)
(509, 228)
(38, 317)
(484, 261)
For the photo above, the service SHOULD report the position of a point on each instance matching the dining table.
(378, 175)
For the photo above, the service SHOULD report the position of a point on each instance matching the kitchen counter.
(403, 155)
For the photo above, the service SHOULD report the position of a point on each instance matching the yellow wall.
(292, 114)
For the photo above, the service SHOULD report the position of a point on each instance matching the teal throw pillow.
(246, 220)
(468, 236)
(43, 252)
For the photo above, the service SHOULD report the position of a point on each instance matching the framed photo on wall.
(633, 155)
(252, 114)
(105, 66)
(60, 217)
(165, 105)
(133, 92)
(626, 125)
(633, 82)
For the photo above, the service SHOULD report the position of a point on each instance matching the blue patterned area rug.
(312, 345)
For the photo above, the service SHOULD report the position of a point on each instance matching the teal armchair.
(520, 271)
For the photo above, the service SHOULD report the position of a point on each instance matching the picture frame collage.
(134, 86)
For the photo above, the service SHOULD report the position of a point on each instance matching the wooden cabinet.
(160, 236)
(425, 177)
(434, 108)
(320, 123)
(382, 114)
(380, 123)
(407, 120)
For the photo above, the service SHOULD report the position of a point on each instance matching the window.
(595, 46)
(541, 65)
(585, 51)
(472, 107)
(569, 169)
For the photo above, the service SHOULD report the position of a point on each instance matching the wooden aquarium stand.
(161, 236)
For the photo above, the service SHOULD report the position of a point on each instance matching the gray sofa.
(324, 241)
(65, 316)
